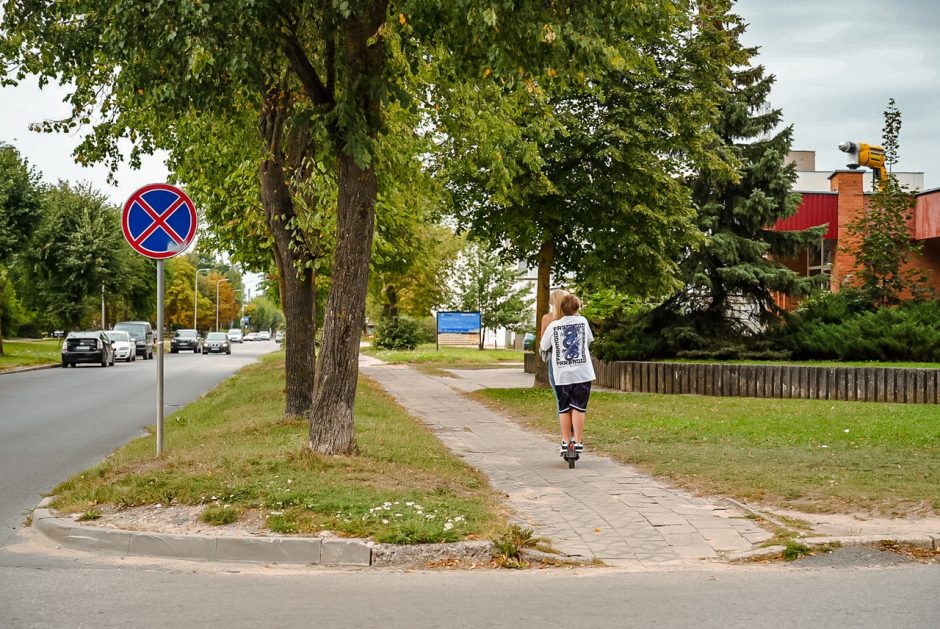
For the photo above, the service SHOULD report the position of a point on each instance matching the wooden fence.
(862, 384)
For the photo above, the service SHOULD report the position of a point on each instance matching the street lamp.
(196, 296)
(218, 282)
(238, 292)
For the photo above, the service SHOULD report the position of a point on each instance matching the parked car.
(279, 336)
(188, 340)
(251, 336)
(235, 335)
(123, 345)
(217, 343)
(144, 338)
(264, 335)
(87, 347)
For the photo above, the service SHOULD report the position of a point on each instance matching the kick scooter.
(570, 455)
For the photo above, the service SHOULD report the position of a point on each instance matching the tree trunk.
(332, 418)
(293, 262)
(332, 427)
(543, 286)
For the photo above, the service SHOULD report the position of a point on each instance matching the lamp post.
(238, 292)
(218, 282)
(196, 296)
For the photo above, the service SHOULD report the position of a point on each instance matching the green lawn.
(26, 352)
(232, 452)
(448, 357)
(811, 455)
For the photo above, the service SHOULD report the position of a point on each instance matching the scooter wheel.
(571, 463)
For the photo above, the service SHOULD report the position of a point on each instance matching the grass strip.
(428, 358)
(809, 455)
(232, 452)
(26, 353)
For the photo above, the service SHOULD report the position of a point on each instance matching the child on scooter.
(565, 345)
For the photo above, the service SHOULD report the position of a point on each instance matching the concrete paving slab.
(600, 509)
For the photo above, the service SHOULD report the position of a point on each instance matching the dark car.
(217, 343)
(144, 338)
(188, 340)
(87, 347)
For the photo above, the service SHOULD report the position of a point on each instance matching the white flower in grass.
(459, 518)
(384, 521)
(409, 504)
(448, 526)
(398, 515)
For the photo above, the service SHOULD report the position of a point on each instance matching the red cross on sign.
(159, 221)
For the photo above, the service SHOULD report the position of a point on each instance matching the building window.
(819, 257)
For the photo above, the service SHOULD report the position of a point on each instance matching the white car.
(235, 335)
(264, 335)
(124, 347)
(251, 336)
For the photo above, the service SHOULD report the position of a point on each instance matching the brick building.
(836, 199)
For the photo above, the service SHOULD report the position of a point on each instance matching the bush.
(427, 329)
(836, 328)
(397, 333)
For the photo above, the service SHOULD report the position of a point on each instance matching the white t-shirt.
(568, 340)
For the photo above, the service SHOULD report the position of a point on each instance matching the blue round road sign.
(159, 221)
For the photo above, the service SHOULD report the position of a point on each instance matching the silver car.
(124, 347)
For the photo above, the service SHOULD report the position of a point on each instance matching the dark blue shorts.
(573, 396)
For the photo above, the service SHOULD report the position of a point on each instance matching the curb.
(325, 551)
(29, 368)
(929, 542)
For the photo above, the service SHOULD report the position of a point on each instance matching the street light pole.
(238, 292)
(196, 296)
(218, 282)
(102, 308)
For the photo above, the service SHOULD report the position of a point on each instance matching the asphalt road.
(56, 422)
(78, 590)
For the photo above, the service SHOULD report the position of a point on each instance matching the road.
(78, 590)
(56, 422)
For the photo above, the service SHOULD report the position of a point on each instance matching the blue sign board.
(159, 221)
(458, 322)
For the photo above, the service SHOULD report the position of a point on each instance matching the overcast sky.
(837, 63)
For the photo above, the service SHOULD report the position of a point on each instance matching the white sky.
(837, 63)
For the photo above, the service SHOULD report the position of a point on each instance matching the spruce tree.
(730, 279)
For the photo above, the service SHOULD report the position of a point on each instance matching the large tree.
(320, 77)
(729, 279)
(586, 180)
(73, 254)
(19, 209)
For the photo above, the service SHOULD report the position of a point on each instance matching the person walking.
(565, 347)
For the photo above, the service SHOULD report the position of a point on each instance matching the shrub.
(397, 333)
(908, 332)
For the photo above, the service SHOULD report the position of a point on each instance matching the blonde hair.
(554, 302)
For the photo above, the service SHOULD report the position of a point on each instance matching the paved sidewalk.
(601, 509)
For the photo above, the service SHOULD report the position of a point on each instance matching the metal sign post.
(159, 221)
(159, 357)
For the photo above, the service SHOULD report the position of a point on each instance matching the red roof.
(817, 208)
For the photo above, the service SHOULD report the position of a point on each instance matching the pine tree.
(729, 281)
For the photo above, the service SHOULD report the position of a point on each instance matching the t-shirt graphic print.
(569, 344)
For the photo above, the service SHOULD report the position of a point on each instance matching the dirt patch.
(174, 520)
